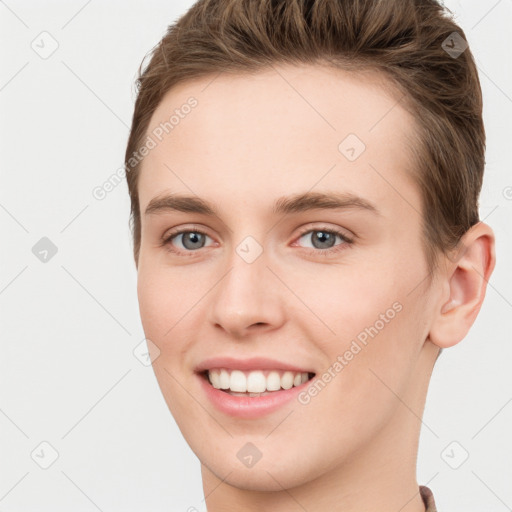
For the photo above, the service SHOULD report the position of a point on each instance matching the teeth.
(273, 381)
(287, 380)
(238, 382)
(214, 379)
(255, 382)
(224, 379)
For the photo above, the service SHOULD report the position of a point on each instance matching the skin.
(252, 140)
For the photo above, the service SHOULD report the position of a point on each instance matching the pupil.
(192, 239)
(323, 235)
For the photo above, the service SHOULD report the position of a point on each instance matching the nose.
(247, 299)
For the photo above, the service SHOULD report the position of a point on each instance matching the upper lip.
(253, 363)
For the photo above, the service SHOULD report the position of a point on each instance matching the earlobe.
(466, 280)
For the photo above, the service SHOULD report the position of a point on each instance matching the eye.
(190, 239)
(323, 240)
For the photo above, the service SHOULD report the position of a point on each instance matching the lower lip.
(246, 406)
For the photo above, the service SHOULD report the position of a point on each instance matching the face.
(300, 243)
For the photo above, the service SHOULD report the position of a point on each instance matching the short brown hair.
(403, 39)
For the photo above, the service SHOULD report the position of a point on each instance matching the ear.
(465, 284)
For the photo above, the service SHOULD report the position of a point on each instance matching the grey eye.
(321, 239)
(192, 240)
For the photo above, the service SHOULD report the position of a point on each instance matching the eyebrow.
(296, 203)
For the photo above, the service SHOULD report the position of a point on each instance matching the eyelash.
(347, 241)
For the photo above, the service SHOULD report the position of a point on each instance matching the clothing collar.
(428, 499)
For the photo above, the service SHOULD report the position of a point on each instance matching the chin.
(269, 474)
(262, 479)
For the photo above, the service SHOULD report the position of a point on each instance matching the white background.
(68, 375)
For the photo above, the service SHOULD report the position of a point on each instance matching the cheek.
(162, 305)
(346, 301)
(378, 321)
(158, 297)
(170, 306)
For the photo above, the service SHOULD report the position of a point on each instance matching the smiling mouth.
(254, 383)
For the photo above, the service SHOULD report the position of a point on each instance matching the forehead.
(279, 130)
